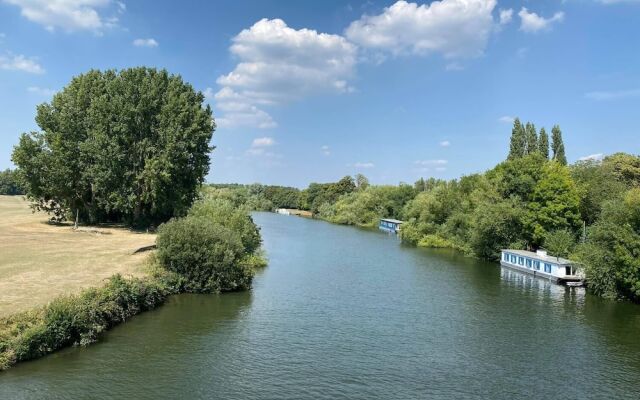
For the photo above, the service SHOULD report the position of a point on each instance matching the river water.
(342, 312)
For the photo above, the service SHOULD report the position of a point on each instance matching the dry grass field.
(39, 261)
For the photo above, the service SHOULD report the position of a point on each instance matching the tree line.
(588, 211)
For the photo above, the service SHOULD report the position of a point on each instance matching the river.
(342, 312)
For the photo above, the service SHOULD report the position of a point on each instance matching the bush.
(207, 255)
(436, 242)
(237, 219)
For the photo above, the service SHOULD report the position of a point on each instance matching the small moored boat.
(390, 225)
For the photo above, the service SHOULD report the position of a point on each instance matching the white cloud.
(41, 91)
(145, 42)
(208, 93)
(20, 63)
(259, 147)
(613, 95)
(593, 157)
(69, 15)
(507, 119)
(262, 142)
(532, 22)
(427, 163)
(325, 150)
(363, 165)
(445, 143)
(506, 16)
(454, 66)
(454, 28)
(279, 64)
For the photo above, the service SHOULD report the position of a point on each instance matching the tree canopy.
(129, 145)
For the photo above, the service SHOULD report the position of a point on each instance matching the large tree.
(518, 145)
(543, 143)
(531, 138)
(557, 145)
(129, 145)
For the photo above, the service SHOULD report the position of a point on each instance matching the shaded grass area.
(40, 262)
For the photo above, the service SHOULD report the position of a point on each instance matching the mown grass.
(40, 262)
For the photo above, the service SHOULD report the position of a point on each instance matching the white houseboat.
(556, 269)
(390, 225)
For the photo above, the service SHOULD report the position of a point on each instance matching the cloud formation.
(70, 15)
(531, 22)
(145, 42)
(453, 28)
(279, 64)
(20, 63)
(41, 91)
(613, 94)
(592, 157)
(364, 165)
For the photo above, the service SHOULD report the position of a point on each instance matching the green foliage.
(10, 183)
(518, 177)
(557, 145)
(436, 242)
(518, 146)
(531, 138)
(554, 203)
(77, 319)
(497, 225)
(129, 145)
(236, 219)
(560, 243)
(611, 255)
(625, 167)
(206, 254)
(543, 143)
(366, 206)
(596, 183)
(320, 193)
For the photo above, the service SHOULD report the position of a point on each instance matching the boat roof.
(395, 221)
(536, 256)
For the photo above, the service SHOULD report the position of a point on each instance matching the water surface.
(342, 312)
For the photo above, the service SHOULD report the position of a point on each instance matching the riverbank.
(41, 261)
(79, 319)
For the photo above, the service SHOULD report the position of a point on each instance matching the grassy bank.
(215, 248)
(79, 319)
(41, 262)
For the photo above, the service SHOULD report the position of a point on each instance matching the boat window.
(528, 263)
(521, 261)
(547, 267)
(537, 265)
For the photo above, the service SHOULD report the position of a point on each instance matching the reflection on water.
(543, 290)
(351, 313)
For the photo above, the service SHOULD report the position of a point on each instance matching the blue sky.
(313, 91)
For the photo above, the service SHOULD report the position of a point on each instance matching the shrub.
(206, 254)
(436, 242)
(235, 218)
(76, 319)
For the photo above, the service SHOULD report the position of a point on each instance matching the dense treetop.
(129, 145)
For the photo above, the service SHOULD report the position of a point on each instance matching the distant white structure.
(557, 269)
(283, 211)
